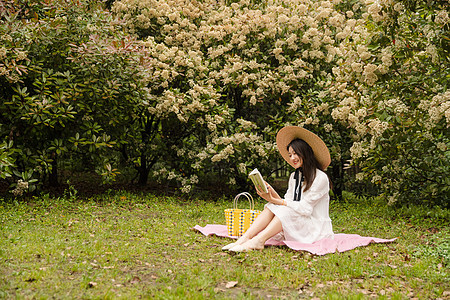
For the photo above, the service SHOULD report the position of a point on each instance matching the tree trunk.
(337, 179)
(143, 171)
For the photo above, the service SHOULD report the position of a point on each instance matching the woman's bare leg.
(260, 223)
(258, 241)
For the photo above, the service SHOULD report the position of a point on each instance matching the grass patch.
(128, 245)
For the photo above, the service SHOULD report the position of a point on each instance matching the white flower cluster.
(377, 127)
(295, 104)
(246, 124)
(393, 198)
(358, 150)
(441, 146)
(437, 108)
(224, 154)
(21, 187)
(242, 167)
(442, 17)
(395, 104)
(359, 176)
(3, 52)
(376, 178)
(328, 127)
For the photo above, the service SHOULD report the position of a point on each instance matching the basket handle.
(246, 195)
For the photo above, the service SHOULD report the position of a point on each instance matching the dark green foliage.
(69, 92)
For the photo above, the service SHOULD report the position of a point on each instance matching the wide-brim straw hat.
(290, 133)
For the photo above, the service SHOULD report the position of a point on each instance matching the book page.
(258, 181)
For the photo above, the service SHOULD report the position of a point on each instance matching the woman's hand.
(271, 196)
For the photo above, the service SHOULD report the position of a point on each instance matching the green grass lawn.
(125, 245)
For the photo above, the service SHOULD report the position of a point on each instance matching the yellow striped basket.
(238, 220)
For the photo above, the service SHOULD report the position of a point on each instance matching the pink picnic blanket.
(340, 242)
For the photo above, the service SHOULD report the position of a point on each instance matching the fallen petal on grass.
(231, 284)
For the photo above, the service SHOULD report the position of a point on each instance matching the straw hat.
(290, 133)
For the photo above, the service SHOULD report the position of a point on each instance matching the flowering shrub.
(248, 67)
(368, 77)
(392, 84)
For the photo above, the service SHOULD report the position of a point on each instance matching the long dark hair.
(310, 163)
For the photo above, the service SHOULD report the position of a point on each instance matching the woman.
(303, 213)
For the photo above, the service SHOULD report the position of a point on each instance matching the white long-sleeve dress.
(307, 220)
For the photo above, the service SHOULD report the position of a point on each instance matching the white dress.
(307, 220)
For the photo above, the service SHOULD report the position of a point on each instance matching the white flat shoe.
(239, 248)
(249, 245)
(228, 247)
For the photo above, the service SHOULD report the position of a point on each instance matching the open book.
(258, 181)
